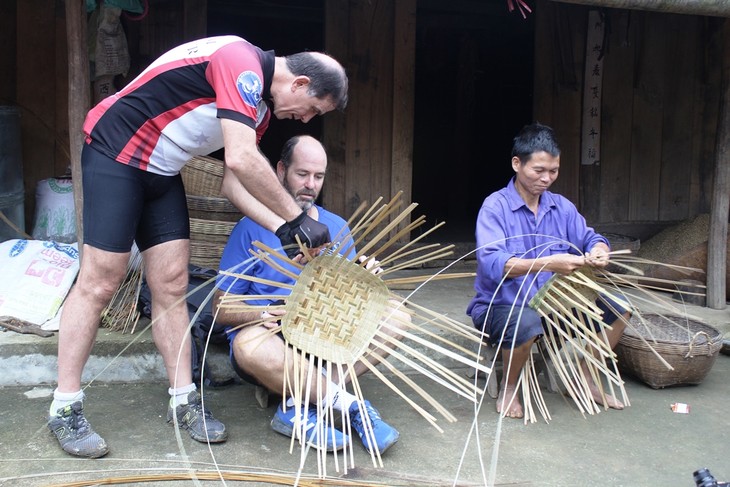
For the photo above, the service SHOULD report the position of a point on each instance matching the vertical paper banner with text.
(592, 85)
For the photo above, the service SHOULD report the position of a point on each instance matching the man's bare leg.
(166, 267)
(99, 277)
(613, 337)
(513, 360)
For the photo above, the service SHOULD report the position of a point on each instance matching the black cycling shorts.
(123, 204)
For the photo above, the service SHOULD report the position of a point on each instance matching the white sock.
(63, 399)
(180, 395)
(339, 398)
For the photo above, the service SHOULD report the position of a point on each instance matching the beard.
(304, 204)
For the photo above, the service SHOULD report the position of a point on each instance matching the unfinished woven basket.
(335, 309)
(690, 347)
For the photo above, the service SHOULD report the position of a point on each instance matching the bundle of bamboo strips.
(122, 313)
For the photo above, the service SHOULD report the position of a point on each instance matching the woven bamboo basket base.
(690, 347)
(334, 309)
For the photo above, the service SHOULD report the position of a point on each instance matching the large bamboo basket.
(690, 347)
(202, 177)
(207, 240)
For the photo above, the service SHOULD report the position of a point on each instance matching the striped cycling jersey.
(171, 111)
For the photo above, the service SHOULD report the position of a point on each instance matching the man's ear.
(280, 171)
(300, 81)
(516, 163)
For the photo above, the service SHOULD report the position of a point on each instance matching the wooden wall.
(660, 99)
(370, 146)
(661, 90)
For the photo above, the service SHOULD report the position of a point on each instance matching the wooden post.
(404, 69)
(78, 99)
(717, 240)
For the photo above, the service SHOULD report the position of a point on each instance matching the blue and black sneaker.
(283, 422)
(384, 434)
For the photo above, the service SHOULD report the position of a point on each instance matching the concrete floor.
(644, 445)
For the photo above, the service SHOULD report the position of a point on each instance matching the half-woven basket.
(335, 309)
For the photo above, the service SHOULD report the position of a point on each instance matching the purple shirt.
(507, 228)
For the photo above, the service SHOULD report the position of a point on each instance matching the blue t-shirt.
(507, 228)
(237, 258)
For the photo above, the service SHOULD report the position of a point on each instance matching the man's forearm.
(231, 317)
(244, 160)
(247, 203)
(516, 267)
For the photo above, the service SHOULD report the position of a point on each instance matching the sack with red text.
(36, 277)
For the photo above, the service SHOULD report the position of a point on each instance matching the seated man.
(262, 359)
(524, 234)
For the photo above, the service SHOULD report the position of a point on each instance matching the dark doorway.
(474, 72)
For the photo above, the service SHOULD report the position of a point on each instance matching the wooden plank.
(369, 116)
(569, 32)
(616, 118)
(36, 95)
(62, 148)
(690, 7)
(334, 125)
(544, 63)
(707, 96)
(591, 130)
(680, 45)
(717, 240)
(647, 121)
(404, 68)
(79, 99)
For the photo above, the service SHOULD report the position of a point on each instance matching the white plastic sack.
(55, 217)
(36, 276)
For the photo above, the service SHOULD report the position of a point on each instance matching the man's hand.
(371, 265)
(565, 263)
(272, 318)
(310, 232)
(597, 257)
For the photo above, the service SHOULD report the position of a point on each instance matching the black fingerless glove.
(310, 232)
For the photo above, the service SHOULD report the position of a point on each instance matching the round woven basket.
(691, 347)
(212, 208)
(207, 240)
(335, 309)
(202, 176)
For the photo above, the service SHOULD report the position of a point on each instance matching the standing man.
(197, 98)
(524, 234)
(264, 359)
